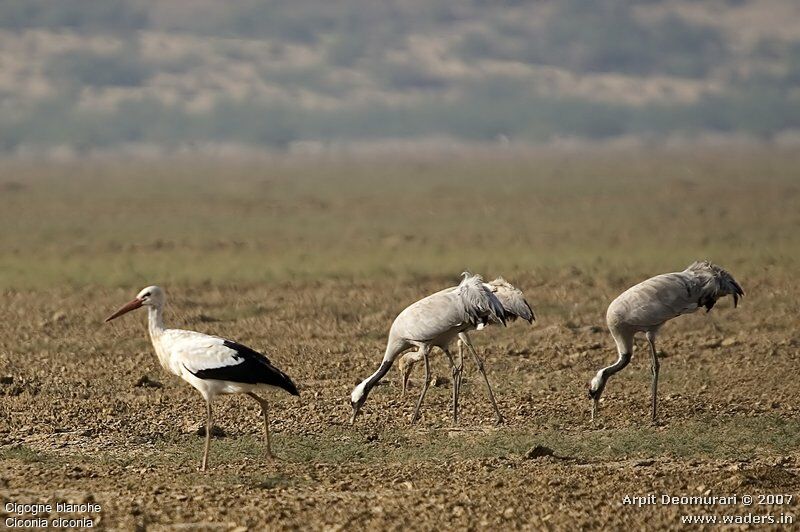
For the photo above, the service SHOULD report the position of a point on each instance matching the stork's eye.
(146, 295)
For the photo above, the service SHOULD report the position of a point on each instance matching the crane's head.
(596, 387)
(359, 394)
(357, 398)
(152, 296)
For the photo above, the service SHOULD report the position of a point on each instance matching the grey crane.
(646, 306)
(434, 321)
(514, 306)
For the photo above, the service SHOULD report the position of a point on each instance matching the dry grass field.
(309, 262)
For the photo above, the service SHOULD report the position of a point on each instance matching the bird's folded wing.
(211, 357)
(198, 351)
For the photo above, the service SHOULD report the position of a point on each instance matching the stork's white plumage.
(646, 306)
(515, 306)
(212, 365)
(434, 321)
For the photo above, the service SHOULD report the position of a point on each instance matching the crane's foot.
(268, 451)
(499, 420)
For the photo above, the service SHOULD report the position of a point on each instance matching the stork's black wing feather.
(252, 368)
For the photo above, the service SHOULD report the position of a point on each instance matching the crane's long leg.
(204, 464)
(456, 377)
(264, 410)
(651, 338)
(407, 362)
(478, 362)
(425, 350)
(460, 365)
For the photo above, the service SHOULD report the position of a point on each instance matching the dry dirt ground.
(88, 415)
(81, 424)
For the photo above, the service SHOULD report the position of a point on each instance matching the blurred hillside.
(170, 73)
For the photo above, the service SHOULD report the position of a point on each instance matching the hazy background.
(306, 75)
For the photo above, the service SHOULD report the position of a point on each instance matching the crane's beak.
(356, 409)
(132, 305)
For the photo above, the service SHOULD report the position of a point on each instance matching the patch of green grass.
(268, 483)
(737, 438)
(24, 454)
(729, 438)
(330, 448)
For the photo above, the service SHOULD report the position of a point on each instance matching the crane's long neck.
(367, 384)
(624, 341)
(360, 392)
(392, 350)
(598, 383)
(619, 365)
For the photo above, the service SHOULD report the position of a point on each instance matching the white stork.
(212, 365)
(514, 306)
(646, 306)
(433, 322)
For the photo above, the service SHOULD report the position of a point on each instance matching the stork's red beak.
(136, 303)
